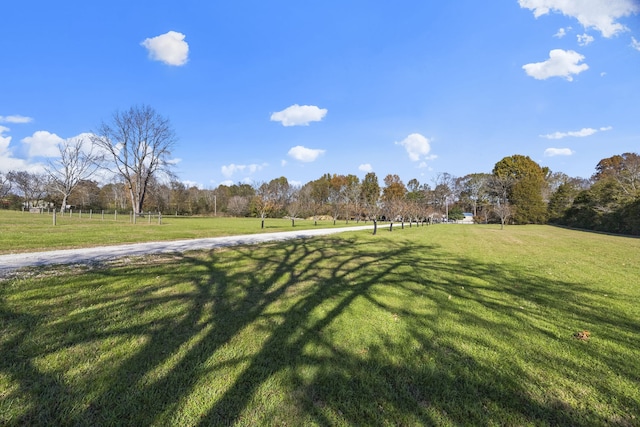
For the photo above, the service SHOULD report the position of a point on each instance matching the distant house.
(468, 218)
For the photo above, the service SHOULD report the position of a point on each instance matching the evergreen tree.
(525, 194)
(561, 200)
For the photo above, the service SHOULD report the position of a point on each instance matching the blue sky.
(260, 89)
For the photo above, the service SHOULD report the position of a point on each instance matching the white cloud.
(40, 144)
(561, 33)
(551, 152)
(4, 141)
(15, 119)
(425, 165)
(305, 154)
(585, 39)
(169, 48)
(416, 146)
(190, 184)
(255, 168)
(561, 63)
(231, 169)
(87, 147)
(599, 14)
(283, 163)
(635, 44)
(365, 167)
(230, 182)
(559, 135)
(7, 161)
(579, 133)
(43, 144)
(299, 115)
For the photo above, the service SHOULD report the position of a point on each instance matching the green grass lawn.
(440, 325)
(27, 232)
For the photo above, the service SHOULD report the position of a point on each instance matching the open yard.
(440, 325)
(27, 232)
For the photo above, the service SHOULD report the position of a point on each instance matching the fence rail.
(103, 215)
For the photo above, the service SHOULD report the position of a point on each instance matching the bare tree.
(158, 195)
(393, 195)
(370, 190)
(319, 194)
(499, 190)
(623, 169)
(113, 196)
(337, 186)
(138, 142)
(30, 185)
(295, 203)
(178, 196)
(86, 195)
(503, 211)
(445, 185)
(78, 161)
(473, 189)
(264, 201)
(238, 206)
(5, 185)
(352, 197)
(279, 192)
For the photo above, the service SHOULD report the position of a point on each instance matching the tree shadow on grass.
(276, 313)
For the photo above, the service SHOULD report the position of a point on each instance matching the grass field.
(440, 325)
(27, 232)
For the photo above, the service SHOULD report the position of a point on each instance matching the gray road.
(11, 262)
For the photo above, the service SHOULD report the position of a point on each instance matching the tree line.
(135, 147)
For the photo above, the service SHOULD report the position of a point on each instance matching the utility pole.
(446, 208)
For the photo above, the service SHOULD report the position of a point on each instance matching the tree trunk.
(375, 226)
(138, 210)
(134, 202)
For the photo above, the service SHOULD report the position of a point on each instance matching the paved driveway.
(12, 262)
